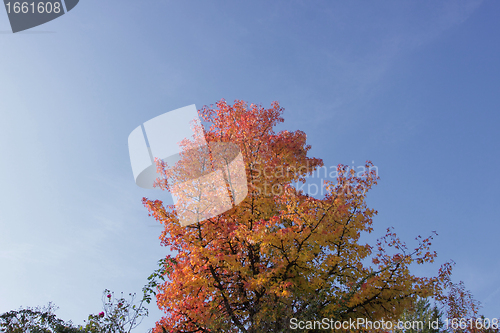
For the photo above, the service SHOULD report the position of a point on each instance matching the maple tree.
(280, 253)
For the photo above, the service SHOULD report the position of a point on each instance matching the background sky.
(413, 86)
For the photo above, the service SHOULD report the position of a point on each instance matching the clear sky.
(413, 86)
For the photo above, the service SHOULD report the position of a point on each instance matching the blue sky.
(413, 86)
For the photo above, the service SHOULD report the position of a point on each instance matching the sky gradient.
(413, 86)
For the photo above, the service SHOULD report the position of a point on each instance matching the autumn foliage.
(280, 253)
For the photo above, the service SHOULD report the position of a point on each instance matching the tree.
(421, 318)
(462, 309)
(34, 320)
(120, 315)
(280, 254)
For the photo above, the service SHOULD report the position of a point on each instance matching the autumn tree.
(280, 253)
(462, 309)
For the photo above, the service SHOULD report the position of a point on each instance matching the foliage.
(119, 315)
(458, 313)
(462, 309)
(34, 320)
(421, 312)
(281, 253)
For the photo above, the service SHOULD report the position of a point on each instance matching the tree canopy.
(281, 253)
